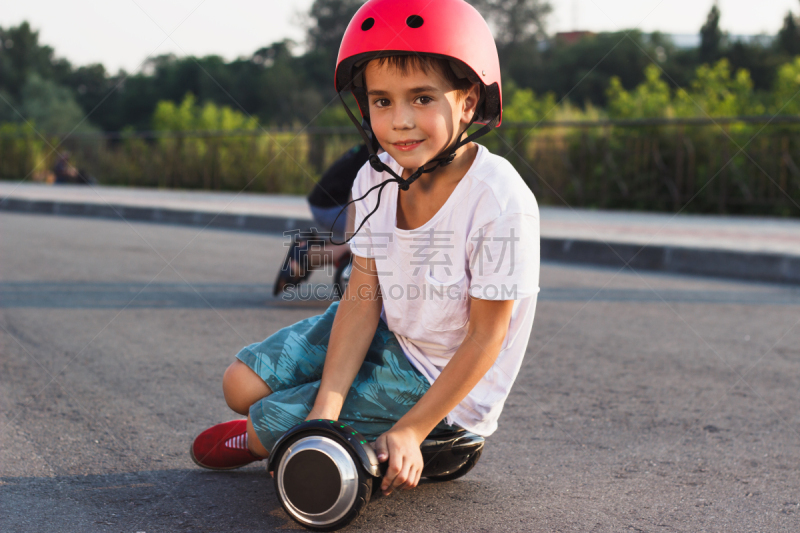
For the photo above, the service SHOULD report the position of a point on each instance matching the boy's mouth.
(407, 145)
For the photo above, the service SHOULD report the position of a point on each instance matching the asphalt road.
(646, 402)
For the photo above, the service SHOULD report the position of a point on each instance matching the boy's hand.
(400, 446)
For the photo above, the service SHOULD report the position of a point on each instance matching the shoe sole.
(198, 463)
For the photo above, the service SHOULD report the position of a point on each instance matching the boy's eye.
(425, 99)
(381, 102)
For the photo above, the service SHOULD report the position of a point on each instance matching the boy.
(432, 329)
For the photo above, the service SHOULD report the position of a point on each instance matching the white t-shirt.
(484, 242)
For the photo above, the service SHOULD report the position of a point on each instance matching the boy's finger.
(413, 475)
(417, 474)
(402, 476)
(395, 467)
(411, 481)
(380, 449)
(386, 482)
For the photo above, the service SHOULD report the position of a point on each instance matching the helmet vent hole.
(414, 21)
(367, 24)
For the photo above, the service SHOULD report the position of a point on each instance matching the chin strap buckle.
(449, 159)
(404, 184)
(376, 163)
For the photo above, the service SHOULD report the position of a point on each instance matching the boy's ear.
(471, 103)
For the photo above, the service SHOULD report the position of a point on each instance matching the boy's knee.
(229, 388)
(242, 387)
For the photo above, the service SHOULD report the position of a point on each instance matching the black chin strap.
(379, 166)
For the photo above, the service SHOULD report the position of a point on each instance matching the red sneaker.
(223, 447)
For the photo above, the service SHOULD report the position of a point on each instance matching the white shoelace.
(238, 442)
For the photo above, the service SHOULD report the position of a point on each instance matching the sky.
(123, 33)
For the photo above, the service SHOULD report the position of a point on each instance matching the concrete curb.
(752, 266)
(256, 223)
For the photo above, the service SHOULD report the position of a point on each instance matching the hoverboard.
(325, 472)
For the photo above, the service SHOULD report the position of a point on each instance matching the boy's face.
(414, 115)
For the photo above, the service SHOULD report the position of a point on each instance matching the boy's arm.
(489, 320)
(351, 334)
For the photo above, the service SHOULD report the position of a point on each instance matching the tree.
(582, 71)
(189, 116)
(514, 21)
(711, 38)
(90, 85)
(21, 55)
(328, 20)
(277, 51)
(522, 105)
(650, 99)
(718, 92)
(51, 107)
(788, 40)
(785, 91)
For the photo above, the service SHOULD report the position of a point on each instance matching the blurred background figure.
(313, 251)
(65, 172)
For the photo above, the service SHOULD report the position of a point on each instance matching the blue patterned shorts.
(290, 362)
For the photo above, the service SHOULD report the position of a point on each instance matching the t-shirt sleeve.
(504, 258)
(361, 243)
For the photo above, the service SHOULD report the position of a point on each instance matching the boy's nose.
(402, 119)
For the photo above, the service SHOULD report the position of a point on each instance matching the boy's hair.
(406, 62)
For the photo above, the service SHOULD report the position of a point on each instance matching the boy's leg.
(253, 442)
(271, 417)
(242, 387)
(386, 387)
(286, 363)
(292, 355)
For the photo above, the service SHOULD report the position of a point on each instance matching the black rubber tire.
(376, 487)
(362, 496)
(283, 279)
(469, 465)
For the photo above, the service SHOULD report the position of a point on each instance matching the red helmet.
(446, 28)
